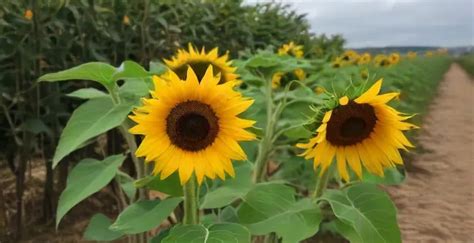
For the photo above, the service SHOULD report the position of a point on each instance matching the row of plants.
(47, 36)
(195, 116)
(467, 62)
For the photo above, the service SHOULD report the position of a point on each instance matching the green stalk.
(190, 202)
(322, 183)
(265, 144)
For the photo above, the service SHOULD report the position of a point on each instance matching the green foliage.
(467, 62)
(225, 232)
(170, 185)
(88, 177)
(92, 118)
(368, 210)
(144, 215)
(98, 229)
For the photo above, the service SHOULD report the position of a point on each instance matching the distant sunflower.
(350, 56)
(192, 126)
(364, 59)
(411, 54)
(361, 132)
(364, 73)
(429, 53)
(293, 50)
(337, 63)
(199, 61)
(394, 58)
(276, 79)
(382, 61)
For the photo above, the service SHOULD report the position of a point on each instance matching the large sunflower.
(199, 61)
(192, 126)
(361, 132)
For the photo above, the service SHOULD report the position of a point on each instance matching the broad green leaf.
(87, 178)
(157, 67)
(144, 215)
(392, 176)
(92, 118)
(36, 126)
(135, 87)
(216, 233)
(272, 208)
(347, 231)
(87, 93)
(129, 69)
(368, 210)
(126, 183)
(170, 185)
(95, 71)
(295, 224)
(98, 229)
(231, 189)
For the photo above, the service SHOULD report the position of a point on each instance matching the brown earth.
(436, 203)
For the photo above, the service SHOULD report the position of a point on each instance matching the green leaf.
(95, 71)
(231, 189)
(98, 229)
(138, 87)
(225, 232)
(392, 176)
(347, 231)
(170, 185)
(126, 183)
(272, 208)
(87, 178)
(87, 93)
(129, 69)
(157, 67)
(368, 210)
(92, 118)
(144, 215)
(36, 126)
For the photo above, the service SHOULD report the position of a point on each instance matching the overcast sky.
(391, 22)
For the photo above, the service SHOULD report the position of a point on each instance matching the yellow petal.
(344, 100)
(370, 93)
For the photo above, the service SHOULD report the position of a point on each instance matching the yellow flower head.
(291, 49)
(411, 54)
(276, 79)
(28, 14)
(337, 63)
(126, 20)
(319, 90)
(429, 53)
(394, 58)
(192, 126)
(382, 60)
(364, 59)
(362, 132)
(350, 56)
(199, 62)
(300, 74)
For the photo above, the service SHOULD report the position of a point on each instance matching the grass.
(467, 62)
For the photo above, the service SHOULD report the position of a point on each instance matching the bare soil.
(436, 203)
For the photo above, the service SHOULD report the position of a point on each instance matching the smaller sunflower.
(362, 132)
(192, 126)
(394, 58)
(364, 73)
(429, 53)
(364, 59)
(291, 49)
(381, 60)
(337, 63)
(411, 54)
(276, 79)
(28, 14)
(350, 56)
(199, 61)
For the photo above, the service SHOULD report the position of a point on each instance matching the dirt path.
(436, 204)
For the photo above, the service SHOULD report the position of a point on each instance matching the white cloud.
(391, 22)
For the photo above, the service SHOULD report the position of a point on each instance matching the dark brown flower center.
(192, 125)
(200, 69)
(350, 124)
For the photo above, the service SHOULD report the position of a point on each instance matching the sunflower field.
(205, 130)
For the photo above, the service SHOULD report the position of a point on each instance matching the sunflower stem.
(265, 144)
(190, 202)
(322, 183)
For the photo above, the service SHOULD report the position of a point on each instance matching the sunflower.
(291, 49)
(411, 54)
(364, 73)
(337, 63)
(28, 14)
(361, 132)
(199, 61)
(382, 61)
(350, 56)
(296, 51)
(276, 79)
(429, 53)
(394, 58)
(364, 59)
(192, 126)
